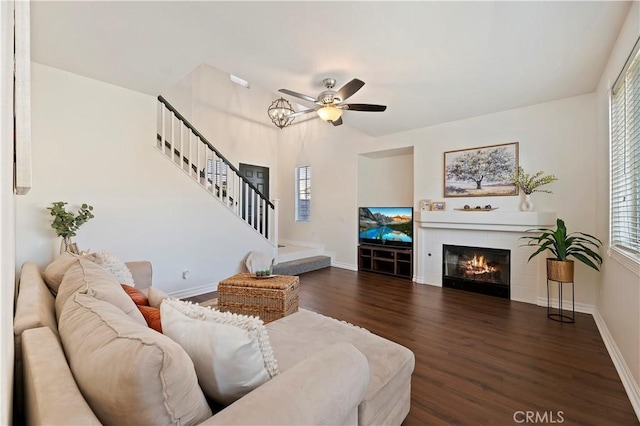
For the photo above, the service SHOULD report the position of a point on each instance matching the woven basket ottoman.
(268, 298)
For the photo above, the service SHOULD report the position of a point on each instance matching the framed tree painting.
(481, 172)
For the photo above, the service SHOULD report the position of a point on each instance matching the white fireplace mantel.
(493, 220)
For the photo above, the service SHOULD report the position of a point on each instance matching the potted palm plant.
(562, 245)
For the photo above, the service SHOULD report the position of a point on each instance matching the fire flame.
(478, 266)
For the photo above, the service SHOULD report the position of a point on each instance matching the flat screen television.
(390, 226)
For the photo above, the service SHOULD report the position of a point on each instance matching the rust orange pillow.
(152, 316)
(136, 295)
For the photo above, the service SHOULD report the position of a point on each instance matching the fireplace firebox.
(477, 269)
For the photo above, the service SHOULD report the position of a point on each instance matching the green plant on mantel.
(66, 223)
(581, 246)
(530, 183)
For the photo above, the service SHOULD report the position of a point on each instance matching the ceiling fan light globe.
(329, 113)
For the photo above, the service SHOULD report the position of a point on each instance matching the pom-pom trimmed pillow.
(115, 266)
(231, 353)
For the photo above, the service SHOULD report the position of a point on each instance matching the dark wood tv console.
(397, 261)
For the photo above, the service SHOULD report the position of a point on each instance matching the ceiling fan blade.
(299, 113)
(298, 95)
(349, 89)
(365, 107)
(337, 122)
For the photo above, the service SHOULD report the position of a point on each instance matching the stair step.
(300, 266)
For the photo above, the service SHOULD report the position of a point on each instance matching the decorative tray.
(264, 277)
(475, 209)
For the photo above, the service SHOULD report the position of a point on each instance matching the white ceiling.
(429, 62)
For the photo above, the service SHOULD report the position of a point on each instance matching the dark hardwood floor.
(480, 360)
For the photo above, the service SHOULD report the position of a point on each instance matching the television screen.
(386, 225)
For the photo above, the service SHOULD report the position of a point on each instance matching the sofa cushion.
(136, 295)
(128, 373)
(300, 335)
(152, 317)
(88, 277)
(54, 272)
(154, 296)
(231, 353)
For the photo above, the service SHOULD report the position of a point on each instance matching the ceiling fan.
(330, 102)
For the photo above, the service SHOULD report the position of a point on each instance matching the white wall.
(233, 118)
(7, 211)
(95, 143)
(332, 153)
(385, 179)
(619, 294)
(557, 137)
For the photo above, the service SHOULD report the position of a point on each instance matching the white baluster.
(173, 137)
(162, 126)
(181, 154)
(198, 149)
(262, 215)
(256, 211)
(190, 158)
(245, 200)
(274, 226)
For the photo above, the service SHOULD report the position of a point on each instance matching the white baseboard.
(347, 266)
(628, 381)
(301, 243)
(583, 308)
(194, 291)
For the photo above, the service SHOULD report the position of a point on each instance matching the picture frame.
(438, 206)
(425, 205)
(481, 172)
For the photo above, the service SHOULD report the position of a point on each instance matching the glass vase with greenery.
(66, 223)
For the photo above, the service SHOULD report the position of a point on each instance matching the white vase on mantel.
(526, 205)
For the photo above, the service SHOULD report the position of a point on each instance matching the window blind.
(303, 193)
(625, 158)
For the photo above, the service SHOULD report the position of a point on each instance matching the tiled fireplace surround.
(490, 229)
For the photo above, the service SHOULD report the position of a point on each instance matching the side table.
(268, 298)
(559, 314)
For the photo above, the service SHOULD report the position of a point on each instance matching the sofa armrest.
(324, 389)
(35, 303)
(51, 394)
(142, 273)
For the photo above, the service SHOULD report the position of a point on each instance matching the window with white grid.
(625, 158)
(303, 193)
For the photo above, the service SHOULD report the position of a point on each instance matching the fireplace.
(477, 269)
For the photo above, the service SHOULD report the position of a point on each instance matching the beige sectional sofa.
(331, 372)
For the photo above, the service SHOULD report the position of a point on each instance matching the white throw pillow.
(115, 266)
(231, 353)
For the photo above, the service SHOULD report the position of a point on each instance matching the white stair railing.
(188, 149)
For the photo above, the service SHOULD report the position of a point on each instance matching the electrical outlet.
(185, 274)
